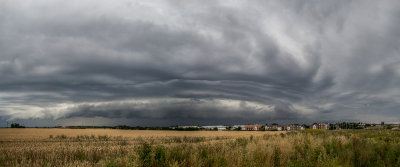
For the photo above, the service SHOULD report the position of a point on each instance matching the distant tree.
(16, 125)
(215, 128)
(332, 127)
(187, 129)
(122, 127)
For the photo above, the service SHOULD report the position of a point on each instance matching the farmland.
(106, 147)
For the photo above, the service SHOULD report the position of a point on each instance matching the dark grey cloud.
(204, 62)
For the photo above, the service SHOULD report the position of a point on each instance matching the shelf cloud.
(227, 61)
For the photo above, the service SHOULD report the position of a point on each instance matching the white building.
(242, 127)
(213, 127)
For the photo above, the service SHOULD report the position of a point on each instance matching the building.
(273, 126)
(295, 127)
(292, 127)
(214, 127)
(253, 127)
(239, 127)
(185, 127)
(320, 126)
(285, 128)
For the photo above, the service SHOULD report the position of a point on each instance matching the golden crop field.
(39, 133)
(107, 147)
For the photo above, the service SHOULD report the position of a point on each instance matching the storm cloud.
(181, 62)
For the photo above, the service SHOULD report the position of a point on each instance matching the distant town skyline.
(160, 63)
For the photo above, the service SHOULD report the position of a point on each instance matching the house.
(295, 127)
(253, 127)
(285, 128)
(273, 127)
(320, 126)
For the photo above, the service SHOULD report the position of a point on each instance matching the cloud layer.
(227, 61)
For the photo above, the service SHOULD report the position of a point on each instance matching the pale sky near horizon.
(163, 62)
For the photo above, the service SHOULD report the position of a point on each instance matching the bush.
(160, 156)
(144, 152)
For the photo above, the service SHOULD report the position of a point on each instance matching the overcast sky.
(198, 62)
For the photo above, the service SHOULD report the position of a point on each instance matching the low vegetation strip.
(301, 148)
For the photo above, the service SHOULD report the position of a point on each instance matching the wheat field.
(107, 147)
